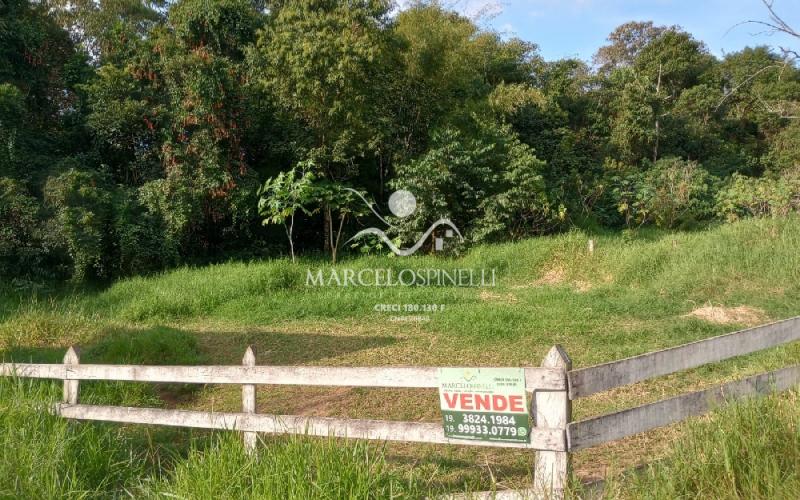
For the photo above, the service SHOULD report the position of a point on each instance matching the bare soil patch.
(553, 276)
(744, 315)
(498, 297)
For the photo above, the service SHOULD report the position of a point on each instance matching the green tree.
(40, 107)
(299, 189)
(319, 59)
(127, 118)
(626, 42)
(12, 109)
(343, 201)
(109, 29)
(445, 69)
(82, 203)
(23, 245)
(641, 99)
(632, 115)
(193, 76)
(283, 195)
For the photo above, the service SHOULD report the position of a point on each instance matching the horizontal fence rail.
(413, 432)
(599, 378)
(398, 377)
(605, 428)
(547, 437)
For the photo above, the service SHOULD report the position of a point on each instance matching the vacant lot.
(635, 293)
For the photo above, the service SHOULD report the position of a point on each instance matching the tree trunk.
(380, 173)
(658, 110)
(289, 231)
(335, 245)
(327, 228)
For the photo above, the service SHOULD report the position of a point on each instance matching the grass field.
(636, 293)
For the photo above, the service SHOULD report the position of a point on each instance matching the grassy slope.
(631, 296)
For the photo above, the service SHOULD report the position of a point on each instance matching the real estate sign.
(486, 404)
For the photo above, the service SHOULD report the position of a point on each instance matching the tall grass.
(293, 467)
(650, 278)
(43, 456)
(746, 450)
(46, 457)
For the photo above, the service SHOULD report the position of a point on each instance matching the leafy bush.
(141, 238)
(106, 231)
(22, 248)
(784, 153)
(672, 193)
(676, 193)
(621, 199)
(83, 210)
(759, 197)
(484, 180)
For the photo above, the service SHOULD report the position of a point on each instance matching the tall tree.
(108, 29)
(40, 106)
(320, 60)
(625, 44)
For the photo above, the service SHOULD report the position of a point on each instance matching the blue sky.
(570, 28)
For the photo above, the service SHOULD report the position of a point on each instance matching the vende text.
(489, 402)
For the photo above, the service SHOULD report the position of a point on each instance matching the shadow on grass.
(157, 345)
(151, 346)
(273, 348)
(160, 345)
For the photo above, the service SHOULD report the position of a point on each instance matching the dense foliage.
(136, 135)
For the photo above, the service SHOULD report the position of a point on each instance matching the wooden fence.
(553, 386)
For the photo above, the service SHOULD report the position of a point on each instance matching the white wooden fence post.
(249, 400)
(552, 409)
(71, 387)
